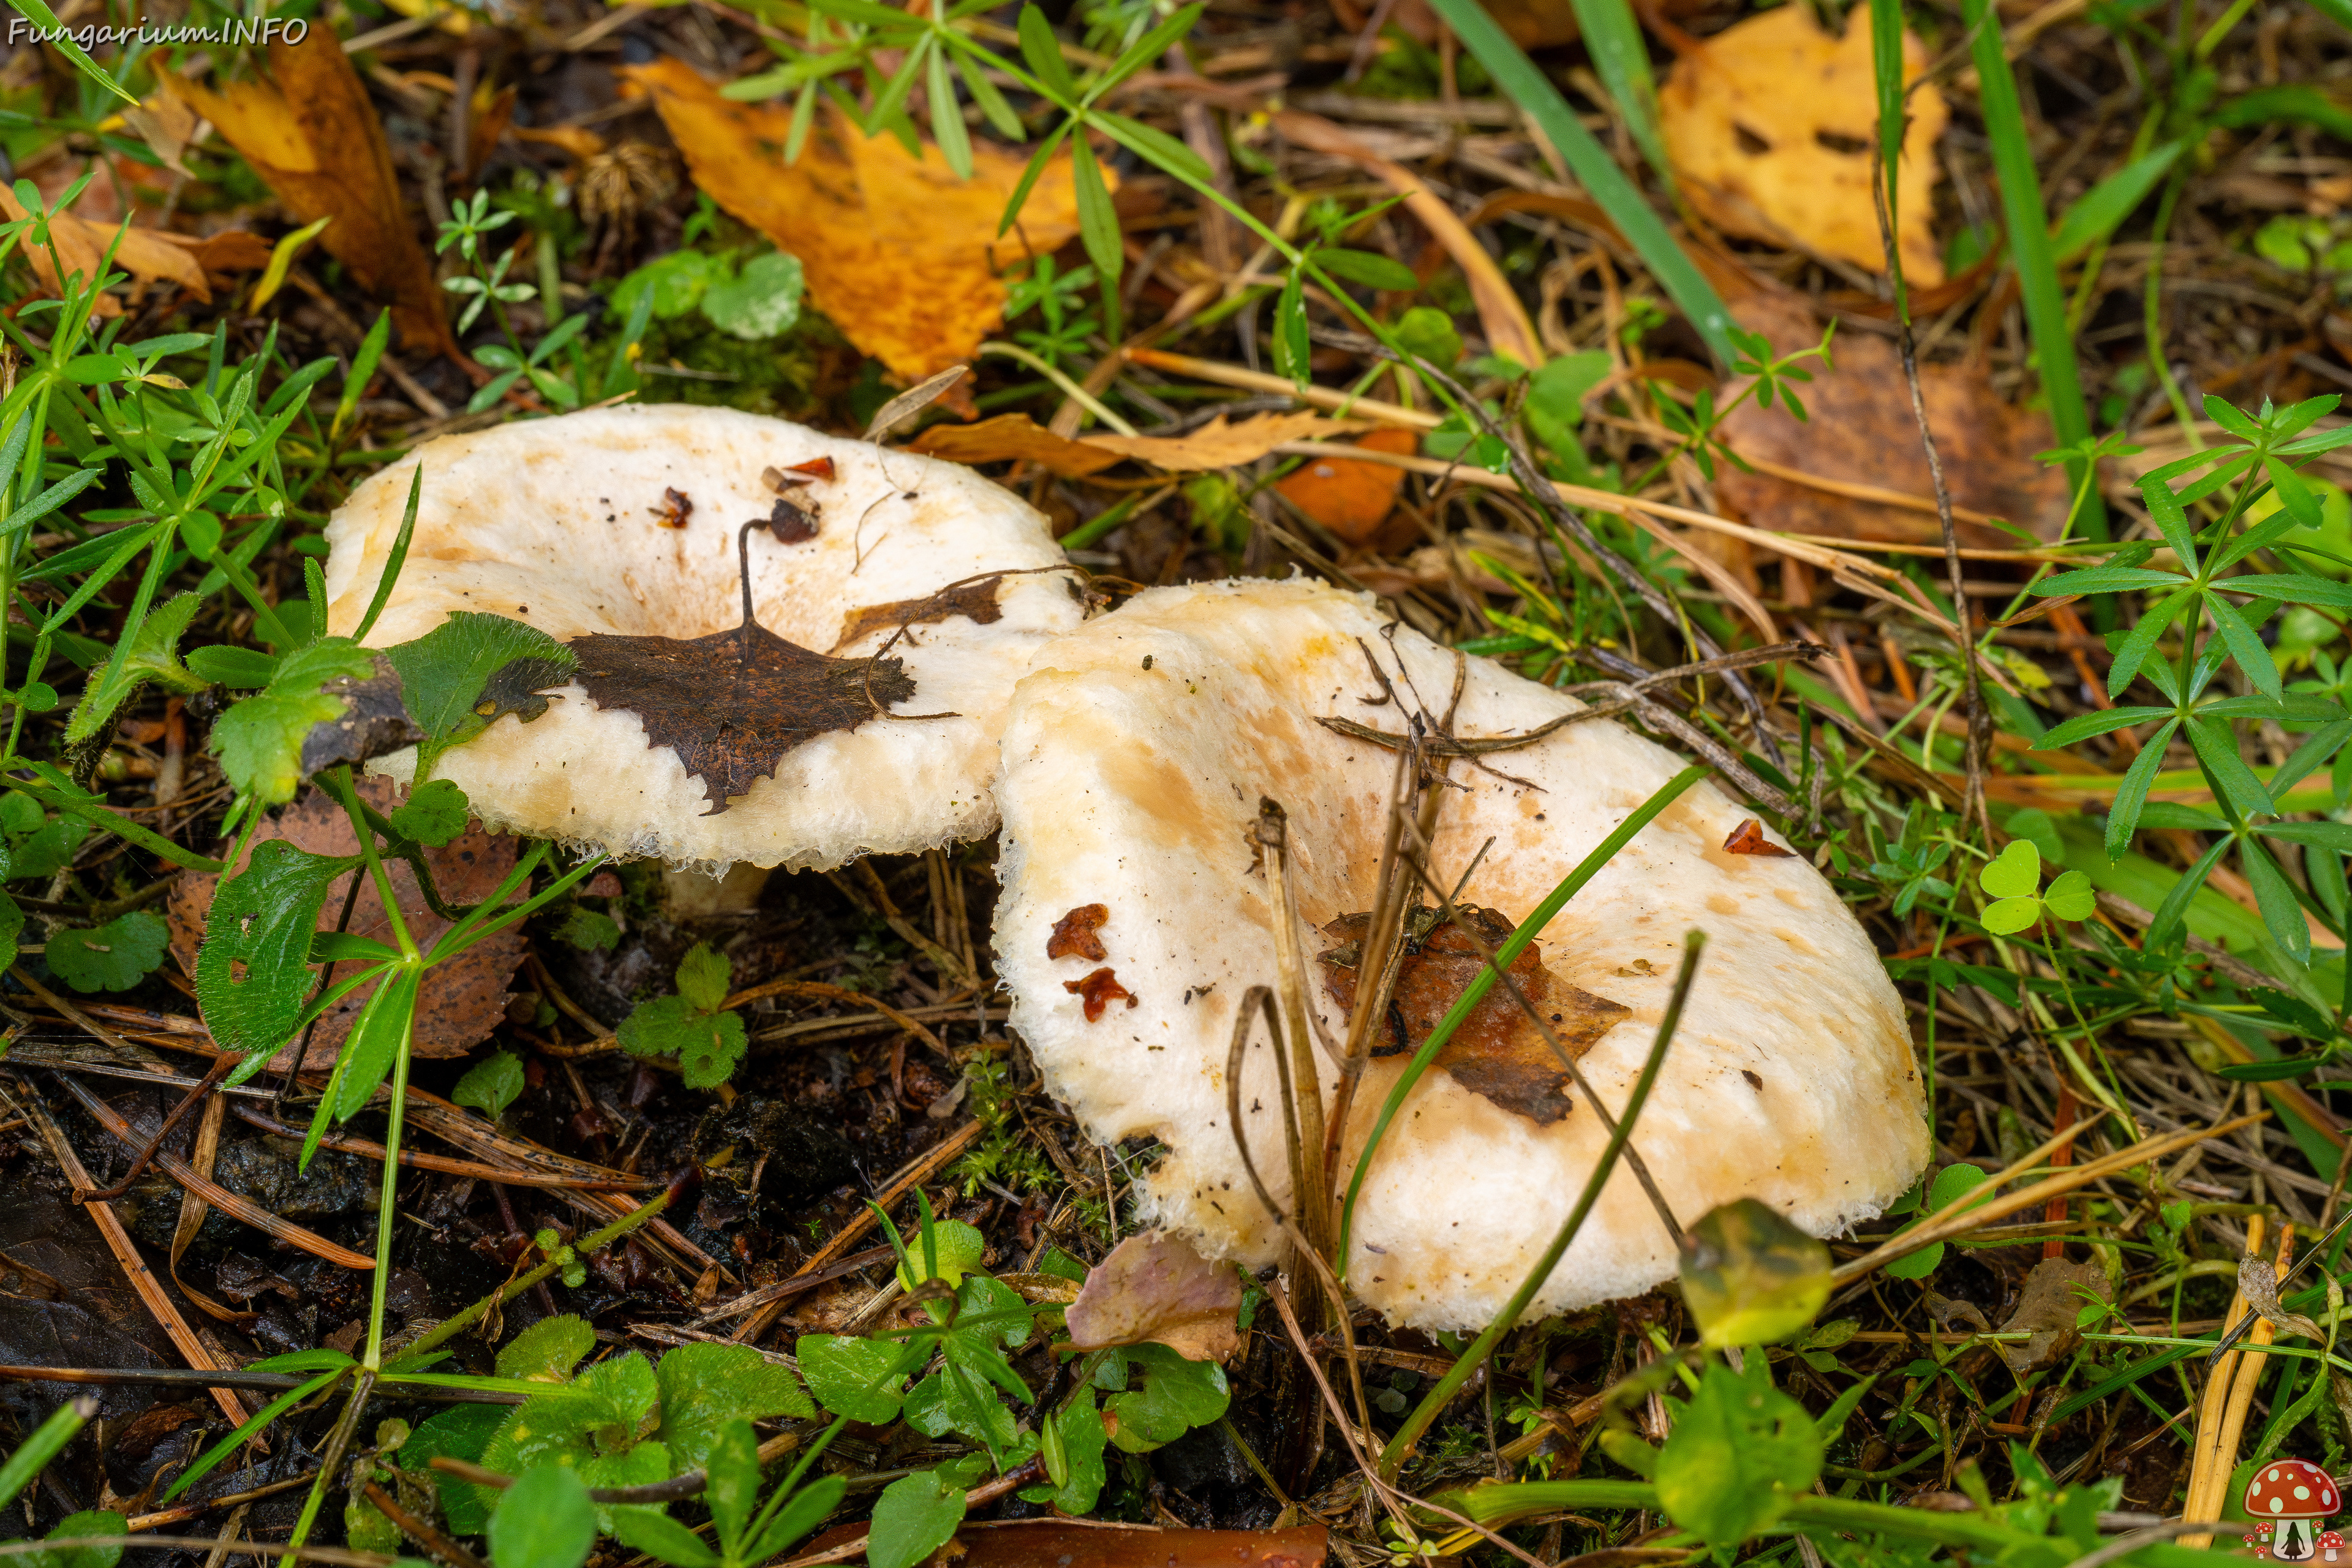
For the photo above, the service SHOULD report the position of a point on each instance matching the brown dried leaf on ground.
(461, 1001)
(1862, 431)
(2055, 1293)
(1154, 1288)
(146, 253)
(309, 131)
(1218, 445)
(1772, 126)
(902, 256)
(1012, 435)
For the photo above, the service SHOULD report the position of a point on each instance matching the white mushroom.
(625, 522)
(1136, 753)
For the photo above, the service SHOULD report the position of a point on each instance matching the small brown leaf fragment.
(1748, 839)
(731, 704)
(975, 601)
(2258, 1283)
(1154, 1288)
(1014, 436)
(675, 508)
(814, 469)
(789, 523)
(2055, 1293)
(1099, 989)
(1073, 934)
(1497, 1052)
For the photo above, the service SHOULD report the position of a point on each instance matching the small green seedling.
(2014, 879)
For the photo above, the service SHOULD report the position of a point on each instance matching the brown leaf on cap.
(975, 602)
(1218, 445)
(900, 254)
(1073, 934)
(2055, 1292)
(1351, 499)
(1497, 1051)
(309, 131)
(460, 1002)
(1154, 1288)
(731, 704)
(1861, 431)
(1748, 839)
(1773, 124)
(1098, 991)
(1009, 436)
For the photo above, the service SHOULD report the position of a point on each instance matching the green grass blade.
(47, 1441)
(1533, 93)
(2030, 249)
(1621, 57)
(2098, 212)
(40, 16)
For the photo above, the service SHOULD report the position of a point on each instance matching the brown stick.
(213, 1075)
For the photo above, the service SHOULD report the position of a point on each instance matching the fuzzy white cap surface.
(553, 521)
(1132, 787)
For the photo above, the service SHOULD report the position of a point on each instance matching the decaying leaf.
(1154, 1288)
(1772, 126)
(1218, 445)
(1748, 839)
(309, 131)
(460, 1002)
(975, 601)
(145, 253)
(1075, 934)
(1014, 435)
(731, 704)
(901, 255)
(2055, 1293)
(1497, 1052)
(2258, 1283)
(1351, 499)
(1098, 991)
(1862, 432)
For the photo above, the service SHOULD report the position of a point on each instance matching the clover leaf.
(2014, 879)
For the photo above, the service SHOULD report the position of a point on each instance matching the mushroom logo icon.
(2294, 1497)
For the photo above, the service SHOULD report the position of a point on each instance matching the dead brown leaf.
(1772, 125)
(2055, 1293)
(146, 253)
(1350, 498)
(461, 1001)
(1154, 1288)
(1861, 431)
(901, 255)
(1218, 445)
(1012, 435)
(309, 131)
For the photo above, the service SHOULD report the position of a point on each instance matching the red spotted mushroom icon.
(2294, 1498)
(2331, 1547)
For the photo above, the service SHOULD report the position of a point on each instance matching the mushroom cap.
(1129, 781)
(555, 522)
(2290, 1488)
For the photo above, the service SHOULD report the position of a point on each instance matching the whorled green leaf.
(151, 655)
(704, 1388)
(543, 1521)
(914, 1516)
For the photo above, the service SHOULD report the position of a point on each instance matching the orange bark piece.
(1350, 498)
(1772, 125)
(901, 255)
(309, 131)
(1098, 990)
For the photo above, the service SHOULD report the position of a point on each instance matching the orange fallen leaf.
(901, 255)
(1154, 1288)
(1772, 126)
(1218, 445)
(1009, 435)
(1350, 498)
(309, 131)
(146, 254)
